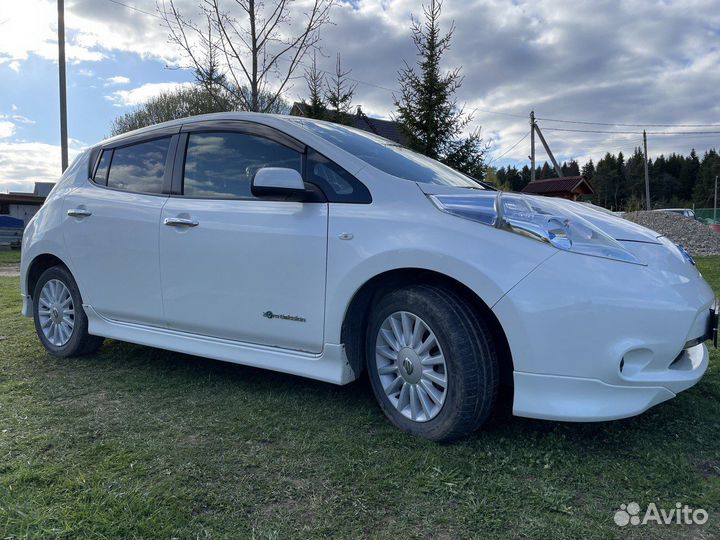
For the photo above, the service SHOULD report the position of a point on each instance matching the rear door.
(235, 266)
(111, 227)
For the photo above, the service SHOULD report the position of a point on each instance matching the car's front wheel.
(431, 362)
(60, 321)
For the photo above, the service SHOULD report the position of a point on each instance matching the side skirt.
(329, 366)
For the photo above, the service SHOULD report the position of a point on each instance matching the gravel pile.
(694, 236)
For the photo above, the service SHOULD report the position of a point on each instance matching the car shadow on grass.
(679, 419)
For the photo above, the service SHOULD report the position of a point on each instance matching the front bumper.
(578, 399)
(593, 339)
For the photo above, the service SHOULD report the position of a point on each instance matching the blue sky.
(628, 62)
(33, 92)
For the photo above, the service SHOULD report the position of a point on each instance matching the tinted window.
(139, 167)
(333, 179)
(102, 169)
(222, 165)
(387, 156)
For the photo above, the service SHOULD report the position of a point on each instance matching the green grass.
(138, 442)
(10, 256)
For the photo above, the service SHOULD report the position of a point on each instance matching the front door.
(237, 267)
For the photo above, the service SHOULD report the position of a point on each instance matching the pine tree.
(427, 110)
(315, 107)
(604, 181)
(571, 169)
(635, 174)
(339, 94)
(688, 175)
(704, 190)
(525, 173)
(547, 172)
(588, 170)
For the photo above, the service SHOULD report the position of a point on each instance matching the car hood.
(615, 226)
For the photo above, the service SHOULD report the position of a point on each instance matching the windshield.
(388, 156)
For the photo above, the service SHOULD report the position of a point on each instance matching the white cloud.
(118, 79)
(92, 28)
(139, 95)
(15, 66)
(20, 119)
(598, 60)
(7, 129)
(23, 163)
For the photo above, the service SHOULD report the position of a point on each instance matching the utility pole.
(647, 177)
(715, 205)
(63, 87)
(558, 170)
(532, 146)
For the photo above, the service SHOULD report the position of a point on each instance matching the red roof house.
(567, 187)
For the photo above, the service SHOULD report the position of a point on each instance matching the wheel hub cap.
(411, 366)
(408, 359)
(56, 312)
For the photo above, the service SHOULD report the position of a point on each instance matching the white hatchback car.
(318, 250)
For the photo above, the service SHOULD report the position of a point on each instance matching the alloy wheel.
(411, 366)
(56, 312)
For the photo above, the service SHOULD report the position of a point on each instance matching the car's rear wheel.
(431, 362)
(60, 321)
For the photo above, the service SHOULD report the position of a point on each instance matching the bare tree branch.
(253, 40)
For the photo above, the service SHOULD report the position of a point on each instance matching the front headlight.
(538, 218)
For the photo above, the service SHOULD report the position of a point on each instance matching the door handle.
(181, 222)
(79, 212)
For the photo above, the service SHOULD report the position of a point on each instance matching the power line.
(511, 148)
(117, 2)
(512, 115)
(632, 132)
(348, 78)
(584, 122)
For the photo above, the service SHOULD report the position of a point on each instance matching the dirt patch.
(708, 468)
(9, 270)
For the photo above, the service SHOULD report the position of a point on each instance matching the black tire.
(471, 365)
(80, 342)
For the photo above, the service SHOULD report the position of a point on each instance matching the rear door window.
(139, 167)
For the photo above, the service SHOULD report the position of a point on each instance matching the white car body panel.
(402, 229)
(118, 245)
(330, 366)
(569, 319)
(259, 257)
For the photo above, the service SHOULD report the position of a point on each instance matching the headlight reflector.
(538, 218)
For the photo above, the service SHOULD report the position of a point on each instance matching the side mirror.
(278, 182)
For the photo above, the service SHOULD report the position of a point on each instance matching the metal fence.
(706, 213)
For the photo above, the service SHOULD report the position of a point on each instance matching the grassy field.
(137, 442)
(9, 256)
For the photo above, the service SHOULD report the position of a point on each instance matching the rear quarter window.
(101, 173)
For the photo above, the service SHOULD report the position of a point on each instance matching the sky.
(590, 61)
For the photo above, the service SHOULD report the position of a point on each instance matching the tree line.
(619, 182)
